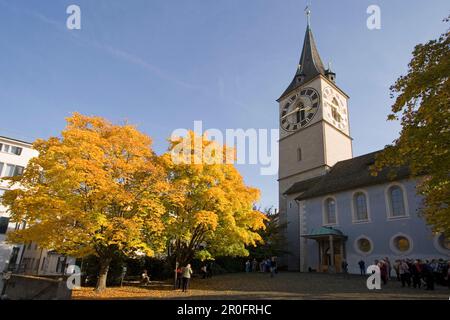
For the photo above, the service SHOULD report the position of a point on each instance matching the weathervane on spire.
(308, 13)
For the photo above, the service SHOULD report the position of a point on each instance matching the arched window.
(360, 205)
(330, 211)
(396, 201)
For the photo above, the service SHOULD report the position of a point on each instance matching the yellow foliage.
(95, 190)
(208, 203)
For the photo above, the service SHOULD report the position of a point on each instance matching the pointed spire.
(310, 64)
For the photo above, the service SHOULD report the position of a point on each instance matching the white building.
(14, 157)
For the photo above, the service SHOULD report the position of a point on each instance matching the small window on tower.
(299, 154)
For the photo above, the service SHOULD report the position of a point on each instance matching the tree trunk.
(103, 274)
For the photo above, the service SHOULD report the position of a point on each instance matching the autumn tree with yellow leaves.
(97, 190)
(210, 210)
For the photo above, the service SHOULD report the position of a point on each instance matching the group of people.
(416, 272)
(266, 265)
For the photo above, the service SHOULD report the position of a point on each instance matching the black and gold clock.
(299, 109)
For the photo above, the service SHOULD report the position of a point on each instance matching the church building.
(333, 208)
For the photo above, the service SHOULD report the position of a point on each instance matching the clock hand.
(306, 108)
(293, 111)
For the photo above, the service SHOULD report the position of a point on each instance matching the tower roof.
(310, 64)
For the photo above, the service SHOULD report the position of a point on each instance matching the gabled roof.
(309, 66)
(350, 174)
(302, 186)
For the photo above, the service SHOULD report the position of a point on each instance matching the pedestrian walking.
(247, 266)
(261, 266)
(179, 272)
(396, 268)
(388, 267)
(254, 265)
(405, 274)
(428, 275)
(362, 267)
(273, 267)
(187, 273)
(145, 278)
(416, 272)
(344, 266)
(204, 271)
(383, 271)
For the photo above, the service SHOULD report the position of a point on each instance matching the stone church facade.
(333, 208)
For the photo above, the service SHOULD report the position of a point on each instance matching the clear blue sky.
(161, 64)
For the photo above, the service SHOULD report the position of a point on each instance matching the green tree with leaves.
(274, 240)
(422, 103)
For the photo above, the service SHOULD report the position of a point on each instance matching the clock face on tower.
(335, 110)
(299, 109)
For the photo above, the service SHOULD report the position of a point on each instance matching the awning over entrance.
(325, 232)
(331, 248)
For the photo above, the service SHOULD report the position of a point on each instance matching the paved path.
(260, 286)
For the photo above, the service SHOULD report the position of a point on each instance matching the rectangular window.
(11, 149)
(299, 154)
(13, 258)
(9, 172)
(1, 168)
(13, 170)
(4, 221)
(18, 170)
(16, 150)
(60, 266)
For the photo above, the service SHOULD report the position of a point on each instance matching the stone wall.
(22, 287)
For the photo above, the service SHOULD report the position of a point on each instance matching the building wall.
(20, 160)
(39, 261)
(379, 230)
(338, 147)
(293, 229)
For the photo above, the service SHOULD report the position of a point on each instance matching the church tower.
(314, 133)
